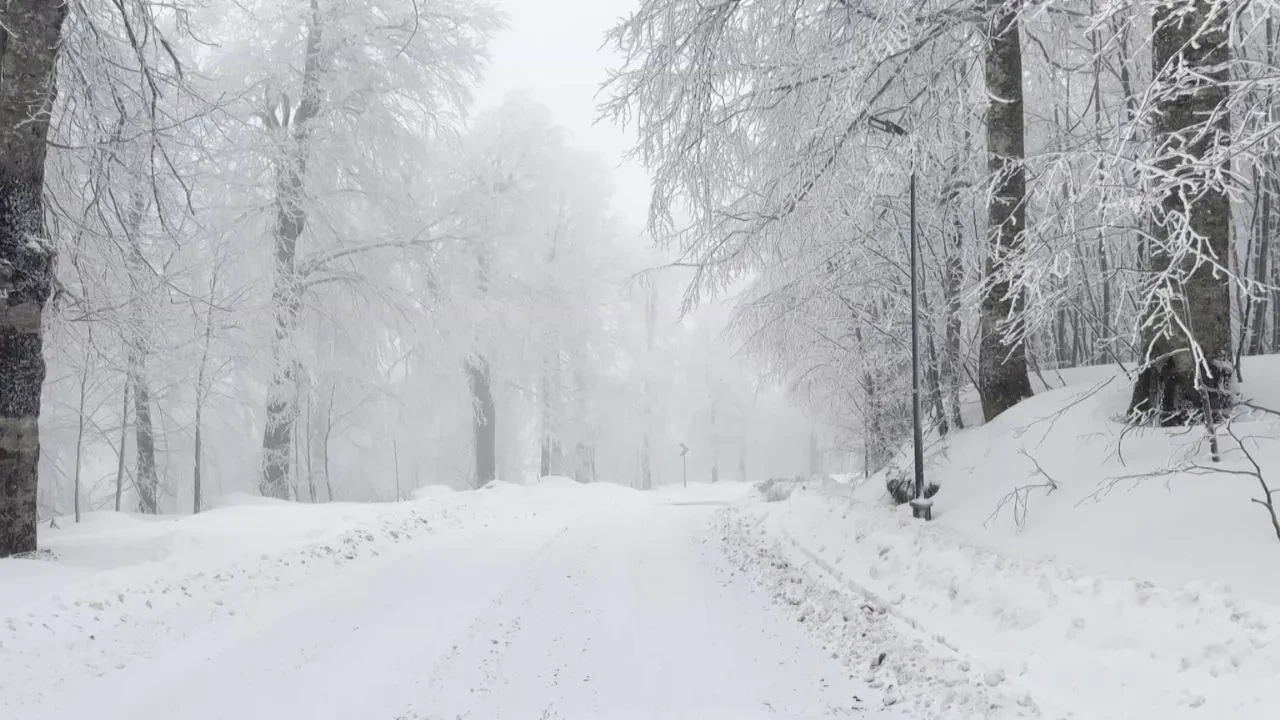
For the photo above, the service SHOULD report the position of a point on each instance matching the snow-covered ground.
(1140, 583)
(1135, 588)
(1044, 634)
(1129, 502)
(548, 601)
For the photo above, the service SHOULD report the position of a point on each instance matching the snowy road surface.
(616, 614)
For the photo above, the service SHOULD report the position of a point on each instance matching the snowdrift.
(109, 591)
(1079, 645)
(1060, 475)
(430, 492)
(1108, 572)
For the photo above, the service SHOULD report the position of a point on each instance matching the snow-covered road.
(621, 613)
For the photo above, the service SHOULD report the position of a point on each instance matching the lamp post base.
(922, 508)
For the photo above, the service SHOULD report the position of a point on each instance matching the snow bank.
(1060, 476)
(241, 499)
(557, 481)
(1096, 647)
(913, 670)
(112, 592)
(431, 492)
(117, 549)
(117, 588)
(705, 493)
(501, 486)
(1113, 572)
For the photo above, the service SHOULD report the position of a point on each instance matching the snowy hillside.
(1138, 586)
(1129, 502)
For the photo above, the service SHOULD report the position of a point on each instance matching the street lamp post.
(921, 506)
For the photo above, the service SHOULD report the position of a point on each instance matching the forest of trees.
(1096, 186)
(266, 245)
(271, 247)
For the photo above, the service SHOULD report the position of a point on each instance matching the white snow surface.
(1130, 503)
(1072, 645)
(1142, 583)
(560, 601)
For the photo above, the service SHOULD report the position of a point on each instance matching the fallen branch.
(1021, 496)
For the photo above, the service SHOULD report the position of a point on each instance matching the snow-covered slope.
(1142, 582)
(1128, 502)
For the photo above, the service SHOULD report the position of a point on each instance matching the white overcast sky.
(552, 51)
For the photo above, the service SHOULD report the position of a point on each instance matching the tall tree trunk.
(124, 436)
(29, 33)
(202, 394)
(953, 282)
(146, 479)
(84, 395)
(650, 328)
(715, 432)
(1245, 296)
(311, 475)
(1106, 350)
(328, 434)
(646, 463)
(483, 422)
(815, 454)
(141, 318)
(1002, 366)
(552, 450)
(1264, 272)
(197, 500)
(933, 379)
(1190, 52)
(395, 458)
(286, 296)
(1262, 261)
(584, 463)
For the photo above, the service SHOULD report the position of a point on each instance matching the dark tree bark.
(29, 34)
(146, 478)
(286, 297)
(1002, 366)
(1190, 52)
(483, 423)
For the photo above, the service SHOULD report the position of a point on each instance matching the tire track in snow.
(916, 669)
(638, 616)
